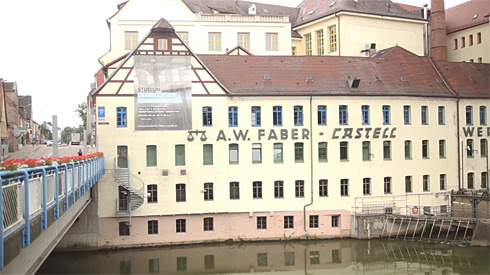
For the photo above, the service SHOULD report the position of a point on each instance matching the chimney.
(438, 31)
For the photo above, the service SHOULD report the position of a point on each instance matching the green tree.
(46, 132)
(82, 113)
(66, 134)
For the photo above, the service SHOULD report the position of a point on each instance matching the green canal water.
(344, 256)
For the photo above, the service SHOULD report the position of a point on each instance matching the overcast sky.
(51, 49)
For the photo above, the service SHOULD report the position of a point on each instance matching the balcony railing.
(242, 18)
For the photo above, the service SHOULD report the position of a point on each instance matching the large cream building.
(212, 27)
(226, 147)
(315, 27)
(356, 28)
(468, 32)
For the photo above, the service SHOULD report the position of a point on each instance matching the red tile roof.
(468, 80)
(466, 15)
(244, 75)
(409, 7)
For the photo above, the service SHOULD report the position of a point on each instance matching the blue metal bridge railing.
(28, 194)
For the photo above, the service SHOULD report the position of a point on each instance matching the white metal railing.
(242, 18)
(35, 198)
(12, 205)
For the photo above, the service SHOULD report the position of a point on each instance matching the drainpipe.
(338, 24)
(311, 165)
(460, 148)
(458, 133)
(129, 193)
(426, 31)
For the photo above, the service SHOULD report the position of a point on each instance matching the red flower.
(14, 164)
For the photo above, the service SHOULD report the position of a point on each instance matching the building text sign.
(293, 134)
(162, 88)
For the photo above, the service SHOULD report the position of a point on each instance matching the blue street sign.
(101, 111)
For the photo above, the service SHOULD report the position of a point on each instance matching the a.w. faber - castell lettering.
(346, 133)
(480, 131)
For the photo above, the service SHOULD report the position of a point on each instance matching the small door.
(122, 156)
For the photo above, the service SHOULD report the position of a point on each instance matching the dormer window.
(252, 10)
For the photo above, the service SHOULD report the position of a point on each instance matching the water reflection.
(332, 256)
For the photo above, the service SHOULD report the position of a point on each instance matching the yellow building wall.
(354, 31)
(475, 162)
(221, 172)
(470, 52)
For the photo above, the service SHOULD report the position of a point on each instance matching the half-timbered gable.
(161, 41)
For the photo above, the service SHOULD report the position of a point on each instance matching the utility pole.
(84, 141)
(55, 136)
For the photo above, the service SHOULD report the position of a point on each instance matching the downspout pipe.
(458, 135)
(426, 28)
(311, 165)
(338, 24)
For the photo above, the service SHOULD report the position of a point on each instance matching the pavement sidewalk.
(23, 153)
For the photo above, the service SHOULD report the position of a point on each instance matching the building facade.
(212, 27)
(356, 28)
(468, 32)
(227, 147)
